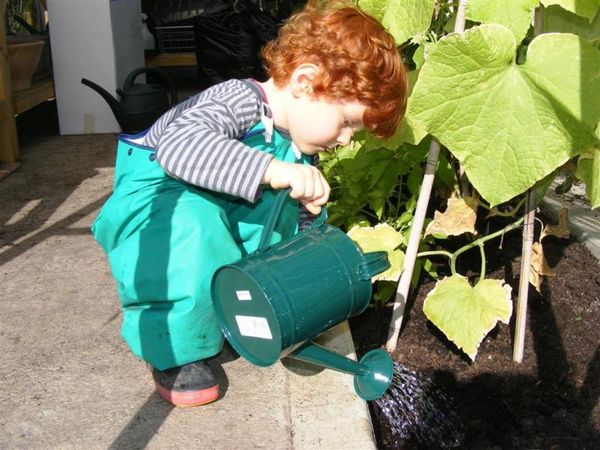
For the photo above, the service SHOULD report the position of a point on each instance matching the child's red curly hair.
(357, 60)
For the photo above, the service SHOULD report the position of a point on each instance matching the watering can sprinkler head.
(272, 303)
(373, 373)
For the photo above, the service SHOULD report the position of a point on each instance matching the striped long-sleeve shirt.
(197, 141)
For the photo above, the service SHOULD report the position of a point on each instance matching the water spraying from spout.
(419, 411)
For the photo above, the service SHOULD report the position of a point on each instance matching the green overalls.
(165, 238)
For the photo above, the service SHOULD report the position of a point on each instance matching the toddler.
(193, 192)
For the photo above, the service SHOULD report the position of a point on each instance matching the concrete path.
(69, 382)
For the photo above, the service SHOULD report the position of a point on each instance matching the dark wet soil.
(551, 399)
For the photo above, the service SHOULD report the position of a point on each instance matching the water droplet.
(416, 409)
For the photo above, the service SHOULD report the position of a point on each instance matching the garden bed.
(550, 400)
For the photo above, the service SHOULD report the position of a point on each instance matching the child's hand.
(307, 183)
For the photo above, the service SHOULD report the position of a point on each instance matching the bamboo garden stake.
(418, 220)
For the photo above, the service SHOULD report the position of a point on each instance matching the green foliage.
(583, 8)
(559, 20)
(467, 313)
(513, 14)
(508, 108)
(402, 18)
(367, 184)
(371, 185)
(518, 121)
(381, 237)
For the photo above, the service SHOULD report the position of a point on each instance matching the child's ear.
(302, 79)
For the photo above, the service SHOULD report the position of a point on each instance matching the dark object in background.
(228, 40)
(176, 12)
(139, 104)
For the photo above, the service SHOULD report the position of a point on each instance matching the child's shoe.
(188, 385)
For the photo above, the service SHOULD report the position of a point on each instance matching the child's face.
(316, 124)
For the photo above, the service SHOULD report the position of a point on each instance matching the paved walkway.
(68, 380)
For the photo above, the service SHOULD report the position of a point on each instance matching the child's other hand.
(307, 182)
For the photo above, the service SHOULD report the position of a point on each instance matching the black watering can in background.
(140, 104)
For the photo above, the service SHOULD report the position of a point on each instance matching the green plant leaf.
(588, 170)
(444, 173)
(375, 8)
(381, 237)
(583, 8)
(402, 18)
(517, 122)
(556, 19)
(517, 15)
(466, 314)
(414, 180)
(383, 291)
(406, 18)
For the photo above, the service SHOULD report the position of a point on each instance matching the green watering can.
(273, 302)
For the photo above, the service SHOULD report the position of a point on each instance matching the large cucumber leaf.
(509, 125)
(583, 8)
(402, 18)
(375, 8)
(556, 19)
(517, 15)
(466, 314)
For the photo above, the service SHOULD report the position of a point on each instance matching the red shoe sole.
(190, 398)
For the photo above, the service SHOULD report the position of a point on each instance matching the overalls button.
(152, 156)
(130, 151)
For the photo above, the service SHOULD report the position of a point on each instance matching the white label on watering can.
(243, 295)
(251, 326)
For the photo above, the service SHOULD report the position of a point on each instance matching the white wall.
(100, 40)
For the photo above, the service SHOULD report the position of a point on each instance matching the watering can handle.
(265, 238)
(272, 219)
(165, 79)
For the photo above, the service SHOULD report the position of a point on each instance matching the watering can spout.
(373, 373)
(113, 103)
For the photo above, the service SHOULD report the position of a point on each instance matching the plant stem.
(435, 253)
(511, 213)
(479, 243)
(399, 202)
(367, 213)
(482, 253)
(482, 240)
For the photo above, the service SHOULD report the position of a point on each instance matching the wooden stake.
(412, 247)
(528, 228)
(418, 220)
(521, 318)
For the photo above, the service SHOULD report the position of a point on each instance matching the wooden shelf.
(13, 103)
(35, 94)
(172, 59)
